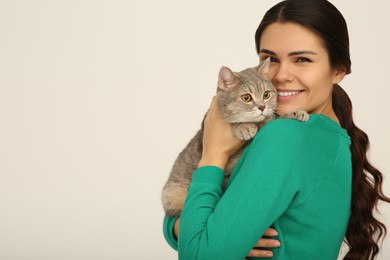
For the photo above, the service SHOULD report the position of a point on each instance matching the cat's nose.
(262, 108)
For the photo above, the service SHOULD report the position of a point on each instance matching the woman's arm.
(259, 251)
(256, 251)
(228, 227)
(168, 227)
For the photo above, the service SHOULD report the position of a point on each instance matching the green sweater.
(294, 176)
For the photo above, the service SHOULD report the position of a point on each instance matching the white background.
(98, 97)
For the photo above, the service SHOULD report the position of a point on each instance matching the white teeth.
(288, 94)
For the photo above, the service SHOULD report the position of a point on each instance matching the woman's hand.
(259, 251)
(219, 142)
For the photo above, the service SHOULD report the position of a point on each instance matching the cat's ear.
(264, 67)
(226, 78)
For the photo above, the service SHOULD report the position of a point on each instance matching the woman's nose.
(281, 73)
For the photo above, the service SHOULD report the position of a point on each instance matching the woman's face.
(300, 68)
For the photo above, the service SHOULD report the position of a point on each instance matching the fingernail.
(274, 233)
(269, 254)
(276, 244)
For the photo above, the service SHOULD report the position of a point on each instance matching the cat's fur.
(246, 118)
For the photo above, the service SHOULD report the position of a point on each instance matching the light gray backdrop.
(97, 98)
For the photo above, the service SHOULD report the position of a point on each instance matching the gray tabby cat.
(247, 100)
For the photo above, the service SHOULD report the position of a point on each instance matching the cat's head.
(246, 96)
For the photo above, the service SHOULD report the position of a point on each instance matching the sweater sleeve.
(168, 225)
(213, 226)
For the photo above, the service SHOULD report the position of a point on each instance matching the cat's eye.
(246, 98)
(266, 95)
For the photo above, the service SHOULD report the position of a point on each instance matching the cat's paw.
(297, 115)
(244, 131)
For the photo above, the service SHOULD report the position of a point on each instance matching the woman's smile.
(288, 94)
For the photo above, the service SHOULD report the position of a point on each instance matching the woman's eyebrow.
(294, 53)
(267, 52)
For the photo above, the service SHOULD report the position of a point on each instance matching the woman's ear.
(339, 74)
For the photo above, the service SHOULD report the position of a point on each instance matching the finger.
(270, 232)
(260, 253)
(213, 102)
(267, 242)
(212, 112)
(214, 115)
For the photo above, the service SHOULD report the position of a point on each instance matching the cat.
(247, 100)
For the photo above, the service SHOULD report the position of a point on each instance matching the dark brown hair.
(321, 17)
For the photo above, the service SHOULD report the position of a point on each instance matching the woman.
(311, 181)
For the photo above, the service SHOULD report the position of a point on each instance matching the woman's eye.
(266, 95)
(246, 98)
(271, 59)
(302, 59)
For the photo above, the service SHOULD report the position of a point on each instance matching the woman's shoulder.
(281, 124)
(283, 127)
(280, 132)
(318, 129)
(315, 122)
